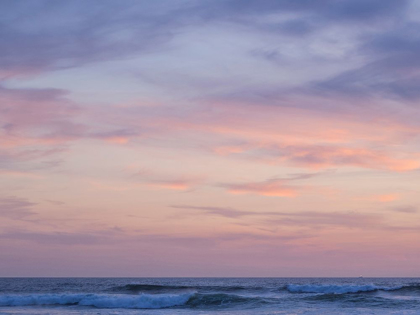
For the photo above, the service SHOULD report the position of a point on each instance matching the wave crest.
(221, 299)
(337, 289)
(150, 288)
(143, 301)
(154, 288)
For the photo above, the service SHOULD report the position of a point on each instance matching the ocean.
(167, 296)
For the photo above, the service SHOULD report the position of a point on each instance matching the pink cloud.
(274, 188)
(37, 118)
(329, 156)
(292, 136)
(168, 181)
(118, 140)
(24, 108)
(323, 156)
(386, 198)
(18, 173)
(173, 184)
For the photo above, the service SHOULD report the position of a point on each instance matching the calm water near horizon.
(167, 296)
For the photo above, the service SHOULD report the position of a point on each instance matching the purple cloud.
(16, 208)
(302, 218)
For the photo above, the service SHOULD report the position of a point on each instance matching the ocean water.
(191, 296)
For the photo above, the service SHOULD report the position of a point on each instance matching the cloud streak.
(275, 128)
(16, 208)
(171, 182)
(301, 218)
(272, 188)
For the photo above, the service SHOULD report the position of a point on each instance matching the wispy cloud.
(276, 136)
(405, 209)
(95, 35)
(272, 187)
(298, 218)
(275, 187)
(224, 212)
(386, 197)
(240, 108)
(16, 208)
(57, 238)
(327, 156)
(167, 181)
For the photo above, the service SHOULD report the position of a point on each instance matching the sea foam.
(336, 289)
(143, 301)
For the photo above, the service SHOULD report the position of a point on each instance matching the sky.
(263, 138)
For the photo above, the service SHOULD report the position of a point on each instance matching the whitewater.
(209, 295)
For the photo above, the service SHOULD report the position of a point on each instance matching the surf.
(142, 301)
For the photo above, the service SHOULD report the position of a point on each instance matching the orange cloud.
(163, 181)
(290, 125)
(274, 188)
(328, 156)
(386, 198)
(302, 137)
(232, 149)
(323, 156)
(117, 140)
(174, 184)
(169, 184)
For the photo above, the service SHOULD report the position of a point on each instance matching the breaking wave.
(152, 288)
(135, 288)
(145, 296)
(221, 299)
(143, 301)
(343, 289)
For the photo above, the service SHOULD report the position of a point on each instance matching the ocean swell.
(153, 288)
(222, 299)
(208, 297)
(337, 289)
(131, 301)
(143, 301)
(150, 288)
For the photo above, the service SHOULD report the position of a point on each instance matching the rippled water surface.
(209, 295)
